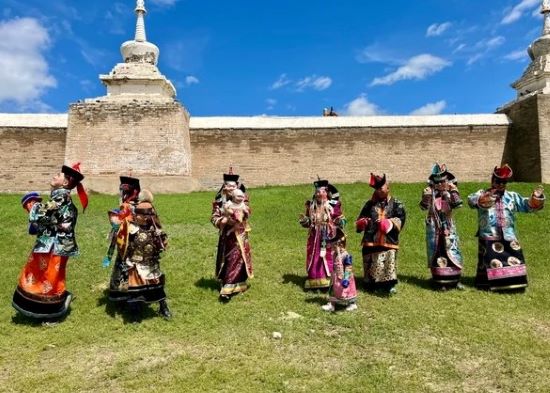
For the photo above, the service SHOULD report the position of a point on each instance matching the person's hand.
(361, 224)
(487, 199)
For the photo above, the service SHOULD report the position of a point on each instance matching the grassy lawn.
(417, 341)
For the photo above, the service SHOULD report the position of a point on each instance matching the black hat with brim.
(131, 181)
(75, 175)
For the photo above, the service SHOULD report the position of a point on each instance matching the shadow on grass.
(468, 282)
(428, 284)
(20, 319)
(320, 300)
(139, 313)
(421, 282)
(208, 283)
(299, 281)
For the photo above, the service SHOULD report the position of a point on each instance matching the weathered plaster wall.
(263, 150)
(30, 156)
(344, 155)
(138, 137)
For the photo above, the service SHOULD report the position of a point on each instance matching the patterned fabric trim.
(387, 245)
(343, 302)
(231, 289)
(317, 283)
(505, 272)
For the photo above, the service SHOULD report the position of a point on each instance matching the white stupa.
(536, 78)
(138, 77)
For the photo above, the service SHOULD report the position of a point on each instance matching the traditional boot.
(164, 310)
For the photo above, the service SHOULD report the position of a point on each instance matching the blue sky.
(281, 58)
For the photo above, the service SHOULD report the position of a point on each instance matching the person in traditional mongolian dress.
(129, 192)
(230, 214)
(41, 292)
(440, 198)
(322, 216)
(381, 219)
(501, 265)
(342, 292)
(141, 242)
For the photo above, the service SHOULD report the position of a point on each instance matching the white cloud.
(495, 42)
(24, 71)
(164, 3)
(281, 82)
(271, 102)
(513, 14)
(516, 55)
(433, 108)
(376, 54)
(361, 106)
(191, 80)
(437, 29)
(483, 47)
(459, 48)
(417, 67)
(314, 82)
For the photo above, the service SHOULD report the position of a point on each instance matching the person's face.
(28, 205)
(498, 184)
(321, 194)
(238, 197)
(441, 186)
(229, 187)
(382, 192)
(58, 180)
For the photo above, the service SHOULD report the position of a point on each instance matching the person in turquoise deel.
(501, 265)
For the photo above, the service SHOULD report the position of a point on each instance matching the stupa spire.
(536, 78)
(140, 24)
(545, 11)
(139, 50)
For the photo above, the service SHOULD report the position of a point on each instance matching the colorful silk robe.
(141, 242)
(233, 259)
(41, 291)
(321, 219)
(380, 248)
(501, 264)
(118, 284)
(442, 243)
(342, 289)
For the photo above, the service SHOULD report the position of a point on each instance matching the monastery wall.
(273, 150)
(267, 151)
(32, 149)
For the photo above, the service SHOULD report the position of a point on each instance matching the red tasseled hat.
(377, 181)
(504, 173)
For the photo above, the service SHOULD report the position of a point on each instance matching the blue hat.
(29, 197)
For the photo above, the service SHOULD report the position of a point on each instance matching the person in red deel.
(381, 219)
(41, 289)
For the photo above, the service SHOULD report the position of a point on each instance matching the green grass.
(418, 341)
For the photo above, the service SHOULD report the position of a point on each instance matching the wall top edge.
(272, 122)
(34, 120)
(29, 120)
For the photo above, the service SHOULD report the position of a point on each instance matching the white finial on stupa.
(545, 11)
(139, 50)
(138, 77)
(536, 78)
(140, 24)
